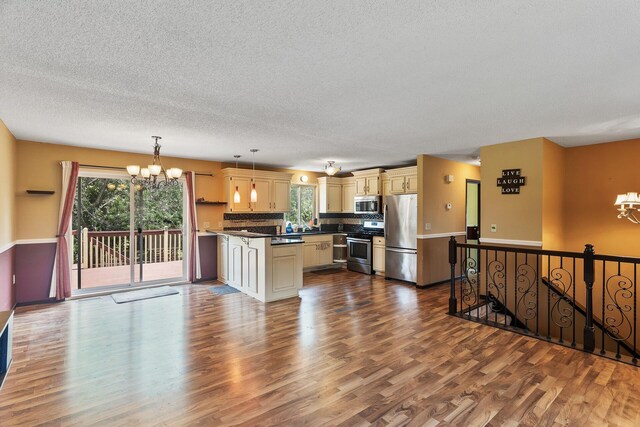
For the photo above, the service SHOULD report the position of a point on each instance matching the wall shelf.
(41, 192)
(204, 202)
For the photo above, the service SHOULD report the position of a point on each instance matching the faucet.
(305, 227)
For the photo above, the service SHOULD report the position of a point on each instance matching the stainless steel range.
(360, 247)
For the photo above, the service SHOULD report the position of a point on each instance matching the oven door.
(358, 251)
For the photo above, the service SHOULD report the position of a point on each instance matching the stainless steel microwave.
(366, 205)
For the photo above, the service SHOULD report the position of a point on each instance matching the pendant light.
(331, 169)
(254, 193)
(236, 195)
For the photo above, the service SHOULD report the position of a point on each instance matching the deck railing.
(111, 248)
(578, 299)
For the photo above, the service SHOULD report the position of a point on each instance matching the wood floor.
(353, 350)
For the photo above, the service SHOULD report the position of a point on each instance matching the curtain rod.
(121, 168)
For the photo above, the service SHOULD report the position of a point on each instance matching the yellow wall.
(433, 195)
(553, 168)
(517, 216)
(594, 175)
(8, 186)
(39, 169)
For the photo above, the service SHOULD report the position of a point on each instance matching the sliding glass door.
(124, 235)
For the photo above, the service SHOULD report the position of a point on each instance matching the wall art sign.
(511, 181)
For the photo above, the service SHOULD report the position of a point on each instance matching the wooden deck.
(120, 275)
(352, 350)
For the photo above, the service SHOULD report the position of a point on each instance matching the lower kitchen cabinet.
(378, 254)
(261, 270)
(317, 250)
(223, 258)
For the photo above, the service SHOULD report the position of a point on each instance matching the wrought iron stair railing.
(577, 299)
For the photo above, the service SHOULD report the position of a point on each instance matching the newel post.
(589, 278)
(453, 302)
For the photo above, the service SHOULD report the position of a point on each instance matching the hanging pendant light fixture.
(236, 195)
(331, 169)
(150, 176)
(254, 193)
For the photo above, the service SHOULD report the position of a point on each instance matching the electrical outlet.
(14, 279)
(494, 228)
(207, 225)
(427, 226)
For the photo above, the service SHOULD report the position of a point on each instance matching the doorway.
(125, 235)
(473, 218)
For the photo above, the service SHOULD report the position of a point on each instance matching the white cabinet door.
(280, 195)
(378, 258)
(325, 252)
(309, 255)
(361, 186)
(223, 258)
(250, 277)
(244, 188)
(373, 186)
(235, 264)
(334, 198)
(397, 185)
(263, 203)
(411, 184)
(284, 273)
(348, 193)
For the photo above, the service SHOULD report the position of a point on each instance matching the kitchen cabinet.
(403, 180)
(317, 250)
(273, 190)
(281, 195)
(348, 194)
(223, 258)
(261, 269)
(235, 263)
(330, 195)
(367, 182)
(378, 254)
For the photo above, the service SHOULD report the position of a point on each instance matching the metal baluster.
(604, 281)
(618, 340)
(505, 277)
(633, 329)
(560, 299)
(486, 285)
(549, 298)
(460, 254)
(515, 288)
(478, 284)
(538, 295)
(453, 304)
(573, 306)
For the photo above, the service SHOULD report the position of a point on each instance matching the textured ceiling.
(365, 83)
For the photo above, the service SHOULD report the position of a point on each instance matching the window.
(303, 204)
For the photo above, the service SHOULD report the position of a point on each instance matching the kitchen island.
(262, 266)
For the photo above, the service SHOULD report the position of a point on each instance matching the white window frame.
(315, 200)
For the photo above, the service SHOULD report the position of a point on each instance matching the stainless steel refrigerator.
(400, 230)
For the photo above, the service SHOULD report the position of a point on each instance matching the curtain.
(61, 279)
(194, 251)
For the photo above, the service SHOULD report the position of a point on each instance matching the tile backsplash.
(268, 222)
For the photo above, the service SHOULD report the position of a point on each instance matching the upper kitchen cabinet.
(273, 190)
(402, 180)
(367, 182)
(348, 194)
(330, 194)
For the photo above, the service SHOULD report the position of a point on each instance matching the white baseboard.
(441, 235)
(511, 242)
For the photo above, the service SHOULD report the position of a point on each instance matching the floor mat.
(223, 290)
(162, 291)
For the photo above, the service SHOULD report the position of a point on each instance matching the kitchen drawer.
(285, 250)
(379, 241)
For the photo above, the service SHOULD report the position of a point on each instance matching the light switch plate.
(494, 228)
(427, 226)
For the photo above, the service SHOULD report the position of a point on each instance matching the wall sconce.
(448, 179)
(627, 205)
(304, 178)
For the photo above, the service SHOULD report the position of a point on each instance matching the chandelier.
(331, 169)
(149, 177)
(628, 204)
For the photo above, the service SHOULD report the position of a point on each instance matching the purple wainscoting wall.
(7, 270)
(208, 257)
(34, 267)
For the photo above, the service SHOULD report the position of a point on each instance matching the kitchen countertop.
(252, 235)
